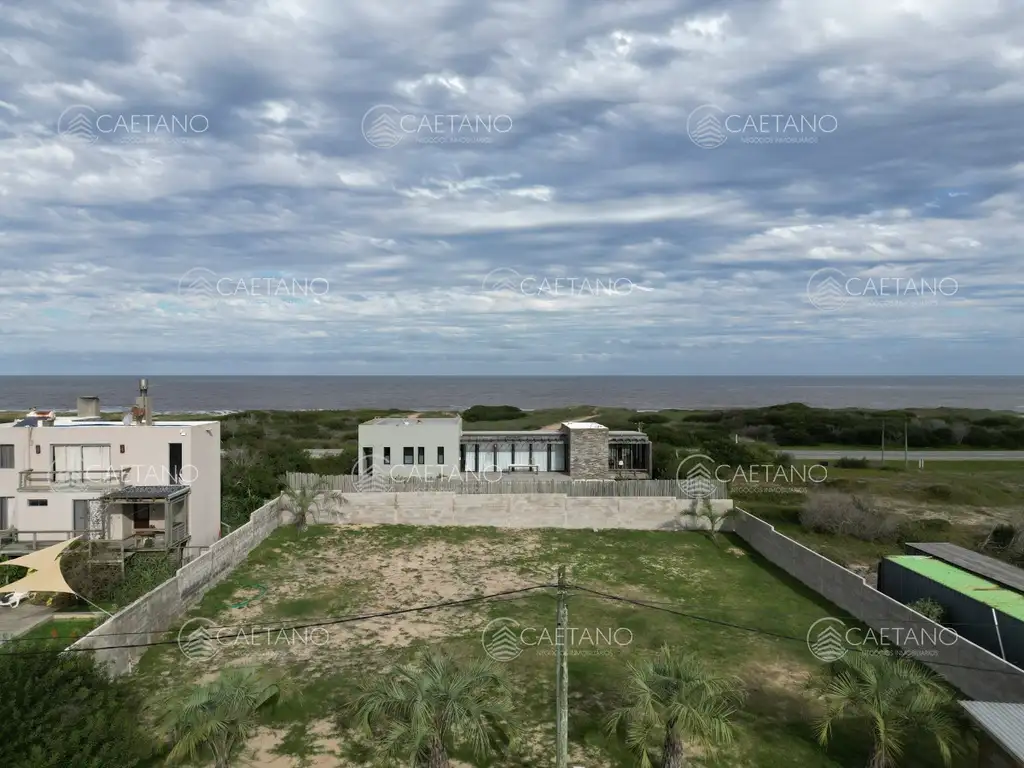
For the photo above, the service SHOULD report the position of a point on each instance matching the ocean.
(225, 394)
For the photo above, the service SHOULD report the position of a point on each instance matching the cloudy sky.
(512, 187)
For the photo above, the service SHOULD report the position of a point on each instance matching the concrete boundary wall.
(980, 674)
(502, 510)
(119, 641)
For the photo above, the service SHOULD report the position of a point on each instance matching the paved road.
(897, 455)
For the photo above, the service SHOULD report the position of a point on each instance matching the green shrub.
(850, 463)
(60, 711)
(938, 492)
(929, 529)
(932, 609)
(492, 413)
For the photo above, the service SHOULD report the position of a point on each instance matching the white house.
(137, 480)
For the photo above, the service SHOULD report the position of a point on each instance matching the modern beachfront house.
(137, 482)
(441, 448)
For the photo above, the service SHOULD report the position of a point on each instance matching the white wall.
(146, 454)
(429, 434)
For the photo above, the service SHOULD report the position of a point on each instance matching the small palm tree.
(674, 698)
(217, 718)
(899, 697)
(420, 713)
(305, 502)
(716, 518)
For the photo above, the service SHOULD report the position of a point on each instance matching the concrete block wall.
(120, 641)
(507, 510)
(980, 674)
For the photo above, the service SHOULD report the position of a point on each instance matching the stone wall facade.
(588, 453)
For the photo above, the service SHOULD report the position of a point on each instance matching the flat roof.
(985, 592)
(65, 422)
(987, 567)
(148, 492)
(583, 425)
(514, 432)
(398, 421)
(1003, 721)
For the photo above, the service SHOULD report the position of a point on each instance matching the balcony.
(73, 480)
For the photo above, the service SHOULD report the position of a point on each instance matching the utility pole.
(561, 675)
(906, 444)
(883, 443)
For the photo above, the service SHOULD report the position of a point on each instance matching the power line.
(311, 625)
(522, 593)
(767, 633)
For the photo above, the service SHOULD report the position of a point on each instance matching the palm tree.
(900, 699)
(705, 510)
(677, 699)
(423, 711)
(307, 501)
(218, 717)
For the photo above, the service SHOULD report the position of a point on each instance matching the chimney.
(89, 407)
(143, 404)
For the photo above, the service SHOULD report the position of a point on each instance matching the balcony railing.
(73, 480)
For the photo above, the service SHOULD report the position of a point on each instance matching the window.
(80, 462)
(407, 456)
(421, 455)
(387, 456)
(38, 503)
(440, 455)
(6, 457)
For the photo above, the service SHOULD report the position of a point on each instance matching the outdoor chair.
(13, 599)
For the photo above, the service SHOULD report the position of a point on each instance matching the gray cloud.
(597, 180)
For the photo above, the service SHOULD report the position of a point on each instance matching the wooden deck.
(113, 551)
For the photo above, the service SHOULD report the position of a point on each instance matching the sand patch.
(261, 750)
(788, 676)
(388, 579)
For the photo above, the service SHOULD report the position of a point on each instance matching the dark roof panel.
(139, 492)
(987, 567)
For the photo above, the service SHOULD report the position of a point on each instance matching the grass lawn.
(356, 570)
(53, 634)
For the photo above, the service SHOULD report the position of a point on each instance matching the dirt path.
(557, 424)
(413, 416)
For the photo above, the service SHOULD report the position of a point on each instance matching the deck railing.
(73, 480)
